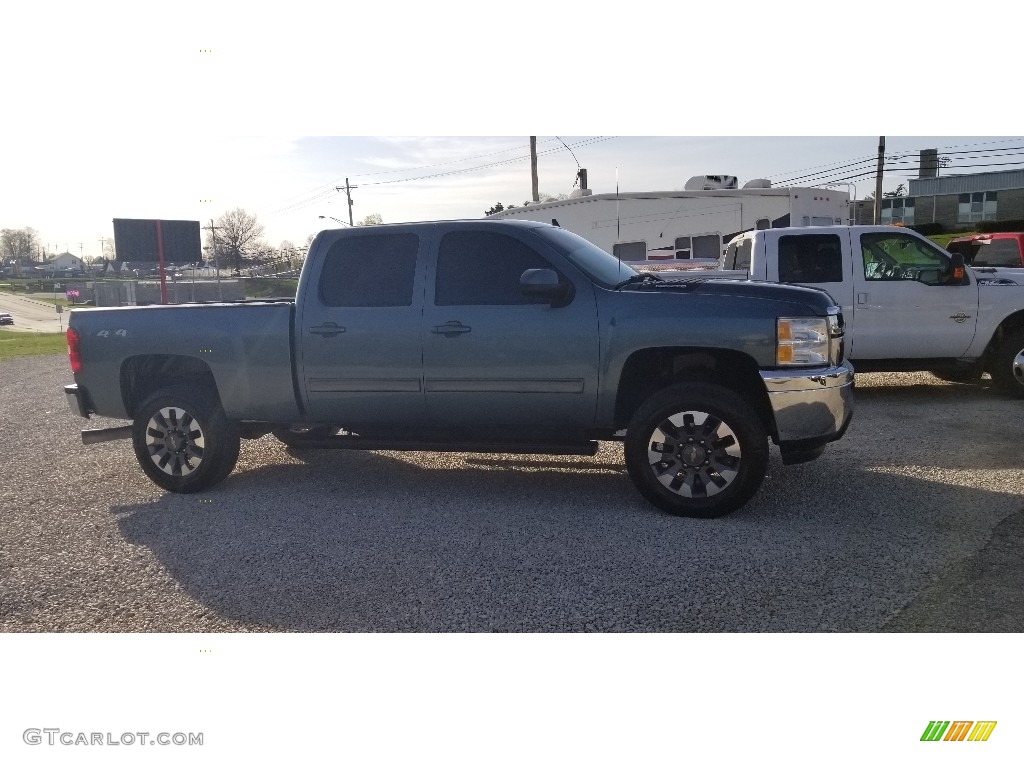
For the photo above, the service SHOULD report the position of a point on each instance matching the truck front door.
(358, 330)
(904, 304)
(497, 362)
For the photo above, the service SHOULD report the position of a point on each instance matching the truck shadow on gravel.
(371, 542)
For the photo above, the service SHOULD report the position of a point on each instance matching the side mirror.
(545, 284)
(958, 272)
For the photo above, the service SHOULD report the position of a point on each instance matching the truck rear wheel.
(183, 441)
(1007, 367)
(696, 450)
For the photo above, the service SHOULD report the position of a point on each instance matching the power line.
(828, 170)
(319, 192)
(327, 193)
(579, 144)
(308, 201)
(914, 163)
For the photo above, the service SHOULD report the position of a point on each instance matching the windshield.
(599, 265)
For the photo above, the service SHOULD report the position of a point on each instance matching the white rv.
(693, 224)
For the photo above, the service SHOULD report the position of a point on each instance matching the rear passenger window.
(484, 268)
(998, 253)
(370, 271)
(810, 259)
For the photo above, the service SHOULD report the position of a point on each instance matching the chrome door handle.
(451, 328)
(327, 329)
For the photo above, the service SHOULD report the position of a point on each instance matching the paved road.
(912, 522)
(31, 314)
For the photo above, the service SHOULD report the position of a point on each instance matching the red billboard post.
(160, 255)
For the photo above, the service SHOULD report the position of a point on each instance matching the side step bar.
(93, 436)
(588, 448)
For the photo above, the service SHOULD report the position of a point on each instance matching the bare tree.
(373, 218)
(238, 237)
(19, 245)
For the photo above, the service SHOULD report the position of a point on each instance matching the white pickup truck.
(908, 304)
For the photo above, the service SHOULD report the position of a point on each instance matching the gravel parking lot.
(914, 521)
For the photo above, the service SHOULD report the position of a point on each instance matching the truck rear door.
(358, 329)
(817, 258)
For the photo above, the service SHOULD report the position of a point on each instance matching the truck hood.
(750, 289)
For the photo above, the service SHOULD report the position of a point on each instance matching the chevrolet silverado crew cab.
(908, 304)
(478, 336)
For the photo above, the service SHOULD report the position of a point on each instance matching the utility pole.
(216, 263)
(348, 193)
(878, 180)
(533, 169)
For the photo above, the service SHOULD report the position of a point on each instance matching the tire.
(720, 456)
(300, 437)
(183, 441)
(1007, 365)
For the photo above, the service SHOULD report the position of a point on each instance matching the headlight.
(802, 341)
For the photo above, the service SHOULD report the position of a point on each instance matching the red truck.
(997, 249)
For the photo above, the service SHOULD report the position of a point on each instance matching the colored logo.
(958, 730)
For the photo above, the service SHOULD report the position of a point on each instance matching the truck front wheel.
(183, 441)
(1007, 366)
(696, 450)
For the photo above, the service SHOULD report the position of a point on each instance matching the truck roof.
(447, 223)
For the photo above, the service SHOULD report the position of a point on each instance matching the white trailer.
(686, 225)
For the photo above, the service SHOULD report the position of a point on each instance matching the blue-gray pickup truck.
(478, 336)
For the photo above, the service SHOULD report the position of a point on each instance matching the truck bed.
(247, 348)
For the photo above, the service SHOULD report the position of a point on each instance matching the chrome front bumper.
(812, 407)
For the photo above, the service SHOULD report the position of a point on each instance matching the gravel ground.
(914, 521)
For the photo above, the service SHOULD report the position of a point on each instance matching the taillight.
(73, 351)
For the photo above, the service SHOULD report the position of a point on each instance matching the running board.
(93, 436)
(588, 448)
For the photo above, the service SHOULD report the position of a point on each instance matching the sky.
(427, 110)
(290, 182)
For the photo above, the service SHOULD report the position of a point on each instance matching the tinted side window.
(370, 271)
(475, 268)
(810, 259)
(999, 253)
(635, 251)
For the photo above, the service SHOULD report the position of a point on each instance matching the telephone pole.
(348, 193)
(878, 180)
(533, 169)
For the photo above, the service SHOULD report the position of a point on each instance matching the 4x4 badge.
(959, 317)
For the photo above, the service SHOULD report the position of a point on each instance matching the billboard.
(135, 240)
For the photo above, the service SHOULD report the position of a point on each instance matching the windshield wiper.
(636, 279)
